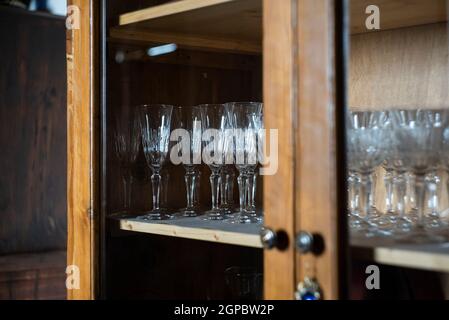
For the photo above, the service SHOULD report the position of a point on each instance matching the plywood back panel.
(395, 14)
(403, 68)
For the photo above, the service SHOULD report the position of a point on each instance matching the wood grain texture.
(37, 276)
(316, 171)
(404, 68)
(32, 135)
(246, 235)
(82, 134)
(233, 25)
(193, 41)
(396, 14)
(279, 104)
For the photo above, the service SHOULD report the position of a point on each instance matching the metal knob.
(268, 238)
(304, 242)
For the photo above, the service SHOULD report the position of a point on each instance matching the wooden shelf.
(431, 257)
(194, 228)
(236, 25)
(229, 25)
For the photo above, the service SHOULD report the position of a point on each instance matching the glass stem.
(351, 193)
(191, 177)
(420, 193)
(227, 187)
(432, 182)
(241, 180)
(412, 192)
(127, 180)
(251, 189)
(400, 183)
(156, 179)
(215, 187)
(366, 184)
(388, 181)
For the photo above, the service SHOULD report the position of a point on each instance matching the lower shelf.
(197, 229)
(431, 257)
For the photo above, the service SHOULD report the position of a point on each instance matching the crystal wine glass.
(215, 123)
(365, 138)
(189, 147)
(126, 147)
(419, 139)
(246, 121)
(155, 123)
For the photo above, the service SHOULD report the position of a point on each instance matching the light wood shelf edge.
(430, 257)
(167, 9)
(194, 233)
(412, 259)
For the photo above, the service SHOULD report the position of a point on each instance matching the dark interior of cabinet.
(156, 267)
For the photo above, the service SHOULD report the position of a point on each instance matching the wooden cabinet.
(293, 56)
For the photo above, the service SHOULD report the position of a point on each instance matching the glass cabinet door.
(147, 222)
(396, 147)
(182, 122)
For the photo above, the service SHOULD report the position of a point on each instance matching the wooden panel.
(160, 267)
(82, 155)
(316, 172)
(397, 13)
(246, 235)
(221, 24)
(279, 93)
(404, 68)
(33, 276)
(32, 135)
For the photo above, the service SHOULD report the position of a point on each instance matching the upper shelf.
(231, 25)
(236, 25)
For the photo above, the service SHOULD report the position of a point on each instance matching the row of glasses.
(223, 135)
(405, 143)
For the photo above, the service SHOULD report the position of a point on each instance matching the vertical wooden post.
(82, 108)
(318, 205)
(279, 110)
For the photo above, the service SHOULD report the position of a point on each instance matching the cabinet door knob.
(268, 238)
(304, 242)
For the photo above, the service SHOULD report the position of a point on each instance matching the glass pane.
(171, 175)
(397, 138)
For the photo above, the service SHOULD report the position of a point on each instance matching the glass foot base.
(213, 215)
(160, 214)
(188, 213)
(243, 218)
(419, 235)
(227, 210)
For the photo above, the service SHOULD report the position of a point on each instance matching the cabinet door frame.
(304, 97)
(294, 31)
(82, 151)
(320, 155)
